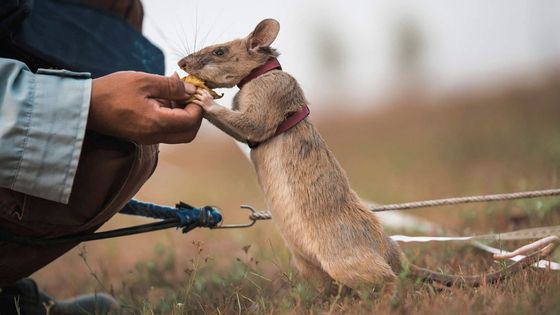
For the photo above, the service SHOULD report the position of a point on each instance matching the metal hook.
(236, 226)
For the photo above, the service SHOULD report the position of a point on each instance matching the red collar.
(292, 120)
(271, 64)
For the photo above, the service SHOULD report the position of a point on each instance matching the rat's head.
(225, 65)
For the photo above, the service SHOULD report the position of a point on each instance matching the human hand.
(139, 107)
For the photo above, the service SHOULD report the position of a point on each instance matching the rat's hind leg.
(311, 272)
(368, 269)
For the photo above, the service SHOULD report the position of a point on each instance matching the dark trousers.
(110, 173)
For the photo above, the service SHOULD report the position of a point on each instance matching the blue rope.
(187, 215)
(183, 216)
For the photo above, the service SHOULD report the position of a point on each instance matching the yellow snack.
(200, 85)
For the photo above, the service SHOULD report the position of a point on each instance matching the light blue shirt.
(42, 125)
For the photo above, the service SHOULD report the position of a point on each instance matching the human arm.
(43, 118)
(42, 124)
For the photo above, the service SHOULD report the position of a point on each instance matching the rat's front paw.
(203, 99)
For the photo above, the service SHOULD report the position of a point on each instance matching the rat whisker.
(177, 53)
(186, 39)
(168, 44)
(171, 44)
(178, 47)
(166, 40)
(195, 25)
(212, 26)
(180, 31)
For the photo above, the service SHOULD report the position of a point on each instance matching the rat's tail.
(546, 246)
(428, 275)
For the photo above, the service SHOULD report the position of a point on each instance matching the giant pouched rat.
(330, 232)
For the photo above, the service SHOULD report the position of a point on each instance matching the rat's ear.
(263, 35)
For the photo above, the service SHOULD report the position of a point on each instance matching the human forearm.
(43, 119)
(42, 124)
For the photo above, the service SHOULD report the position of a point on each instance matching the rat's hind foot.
(367, 270)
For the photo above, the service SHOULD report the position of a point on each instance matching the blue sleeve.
(43, 119)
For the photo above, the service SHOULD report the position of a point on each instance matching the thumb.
(174, 120)
(169, 88)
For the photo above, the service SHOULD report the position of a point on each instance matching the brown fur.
(330, 232)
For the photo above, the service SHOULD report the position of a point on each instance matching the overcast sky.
(352, 46)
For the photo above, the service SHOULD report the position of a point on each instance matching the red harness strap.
(292, 119)
(271, 64)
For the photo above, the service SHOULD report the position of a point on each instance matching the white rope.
(398, 220)
(524, 234)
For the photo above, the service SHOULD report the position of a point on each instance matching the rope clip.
(253, 216)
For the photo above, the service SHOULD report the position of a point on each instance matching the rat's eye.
(219, 52)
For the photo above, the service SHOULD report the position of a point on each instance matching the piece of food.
(200, 85)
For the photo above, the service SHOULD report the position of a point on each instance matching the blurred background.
(359, 51)
(417, 99)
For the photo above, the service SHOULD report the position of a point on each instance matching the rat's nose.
(187, 62)
(182, 63)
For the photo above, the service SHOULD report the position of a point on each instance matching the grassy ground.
(506, 140)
